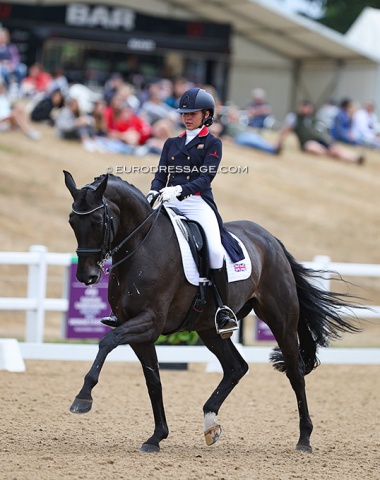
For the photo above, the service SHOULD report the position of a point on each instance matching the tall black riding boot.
(225, 320)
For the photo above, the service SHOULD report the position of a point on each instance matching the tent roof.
(287, 34)
(366, 29)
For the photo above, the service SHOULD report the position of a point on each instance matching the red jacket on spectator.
(126, 120)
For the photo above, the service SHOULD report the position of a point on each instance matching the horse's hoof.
(81, 405)
(148, 448)
(213, 433)
(304, 448)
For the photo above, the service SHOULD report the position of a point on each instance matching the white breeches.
(195, 208)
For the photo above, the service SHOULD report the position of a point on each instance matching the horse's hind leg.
(148, 358)
(284, 328)
(234, 368)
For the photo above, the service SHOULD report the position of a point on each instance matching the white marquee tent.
(293, 57)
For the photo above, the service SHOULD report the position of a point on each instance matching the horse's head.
(91, 223)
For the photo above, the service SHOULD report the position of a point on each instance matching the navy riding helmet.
(196, 99)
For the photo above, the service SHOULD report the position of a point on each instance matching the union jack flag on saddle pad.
(240, 267)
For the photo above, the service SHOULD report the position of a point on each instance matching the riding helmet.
(196, 99)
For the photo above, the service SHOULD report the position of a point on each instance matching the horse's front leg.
(234, 368)
(137, 329)
(147, 355)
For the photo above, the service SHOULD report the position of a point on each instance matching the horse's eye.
(98, 225)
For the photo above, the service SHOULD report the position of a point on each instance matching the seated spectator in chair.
(258, 109)
(312, 140)
(242, 135)
(11, 67)
(71, 124)
(13, 117)
(44, 110)
(341, 127)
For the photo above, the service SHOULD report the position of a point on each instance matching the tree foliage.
(341, 14)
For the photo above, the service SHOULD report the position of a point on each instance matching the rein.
(105, 249)
(117, 248)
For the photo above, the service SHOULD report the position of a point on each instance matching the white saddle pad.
(236, 271)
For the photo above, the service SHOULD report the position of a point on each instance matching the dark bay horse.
(150, 296)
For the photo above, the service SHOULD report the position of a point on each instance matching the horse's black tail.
(319, 319)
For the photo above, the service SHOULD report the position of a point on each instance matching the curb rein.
(105, 249)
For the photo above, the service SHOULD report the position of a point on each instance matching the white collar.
(191, 134)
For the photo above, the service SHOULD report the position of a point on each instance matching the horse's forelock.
(83, 201)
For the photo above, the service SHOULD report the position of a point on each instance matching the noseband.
(108, 228)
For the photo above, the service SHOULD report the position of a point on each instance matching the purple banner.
(263, 332)
(87, 305)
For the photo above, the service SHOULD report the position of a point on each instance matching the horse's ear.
(101, 188)
(70, 184)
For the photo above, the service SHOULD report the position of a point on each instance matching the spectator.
(59, 81)
(14, 117)
(327, 113)
(364, 124)
(258, 109)
(341, 127)
(180, 85)
(37, 82)
(127, 93)
(71, 124)
(44, 109)
(103, 141)
(85, 96)
(312, 140)
(161, 131)
(98, 113)
(111, 87)
(155, 108)
(10, 65)
(123, 123)
(242, 135)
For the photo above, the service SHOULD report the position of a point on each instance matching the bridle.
(107, 229)
(108, 233)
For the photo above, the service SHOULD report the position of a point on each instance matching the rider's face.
(193, 120)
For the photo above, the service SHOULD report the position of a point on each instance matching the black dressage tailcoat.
(193, 166)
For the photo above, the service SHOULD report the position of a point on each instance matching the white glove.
(150, 195)
(170, 193)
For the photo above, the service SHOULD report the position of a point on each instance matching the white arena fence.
(36, 304)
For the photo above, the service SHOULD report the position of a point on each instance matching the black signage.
(144, 32)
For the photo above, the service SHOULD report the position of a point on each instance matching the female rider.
(187, 166)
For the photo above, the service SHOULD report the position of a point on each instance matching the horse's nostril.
(92, 279)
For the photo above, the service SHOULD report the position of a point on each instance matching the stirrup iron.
(223, 331)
